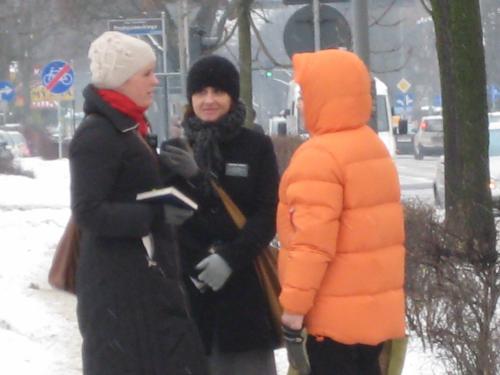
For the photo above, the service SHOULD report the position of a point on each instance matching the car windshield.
(434, 125)
(494, 142)
(4, 137)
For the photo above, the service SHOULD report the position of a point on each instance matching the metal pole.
(360, 30)
(182, 45)
(73, 124)
(60, 130)
(185, 25)
(316, 22)
(164, 41)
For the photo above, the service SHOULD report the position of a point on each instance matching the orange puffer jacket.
(340, 220)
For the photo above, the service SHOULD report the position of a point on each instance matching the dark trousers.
(329, 357)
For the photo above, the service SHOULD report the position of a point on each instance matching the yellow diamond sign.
(403, 85)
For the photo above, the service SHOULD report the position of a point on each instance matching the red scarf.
(125, 105)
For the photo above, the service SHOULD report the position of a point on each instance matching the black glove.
(180, 161)
(296, 350)
(176, 215)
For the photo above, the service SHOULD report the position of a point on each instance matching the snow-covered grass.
(38, 330)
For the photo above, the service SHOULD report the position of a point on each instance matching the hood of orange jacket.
(336, 90)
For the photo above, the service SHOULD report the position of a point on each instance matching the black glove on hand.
(176, 215)
(180, 161)
(296, 350)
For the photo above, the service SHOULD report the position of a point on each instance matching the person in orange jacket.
(340, 224)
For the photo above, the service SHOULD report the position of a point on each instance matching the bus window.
(382, 115)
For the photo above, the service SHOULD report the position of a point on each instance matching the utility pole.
(360, 30)
(245, 55)
(362, 48)
(182, 25)
(317, 29)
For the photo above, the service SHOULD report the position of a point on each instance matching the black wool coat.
(132, 310)
(237, 316)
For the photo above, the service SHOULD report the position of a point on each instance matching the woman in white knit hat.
(131, 307)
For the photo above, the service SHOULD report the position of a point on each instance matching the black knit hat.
(214, 71)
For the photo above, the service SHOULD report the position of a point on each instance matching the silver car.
(429, 137)
(494, 161)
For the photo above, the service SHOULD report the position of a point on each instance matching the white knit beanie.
(115, 57)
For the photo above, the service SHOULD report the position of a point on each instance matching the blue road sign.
(437, 101)
(493, 92)
(404, 102)
(57, 76)
(7, 91)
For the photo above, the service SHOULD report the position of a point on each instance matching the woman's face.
(141, 86)
(210, 104)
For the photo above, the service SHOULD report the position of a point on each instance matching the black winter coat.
(131, 312)
(237, 316)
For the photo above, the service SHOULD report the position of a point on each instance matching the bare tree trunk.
(245, 54)
(460, 49)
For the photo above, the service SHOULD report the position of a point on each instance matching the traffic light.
(269, 74)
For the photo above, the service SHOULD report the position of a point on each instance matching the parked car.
(404, 134)
(494, 162)
(429, 137)
(21, 146)
(6, 155)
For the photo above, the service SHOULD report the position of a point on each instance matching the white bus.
(295, 123)
(384, 116)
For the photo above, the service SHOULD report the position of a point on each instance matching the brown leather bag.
(265, 263)
(62, 273)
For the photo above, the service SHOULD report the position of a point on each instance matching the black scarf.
(206, 137)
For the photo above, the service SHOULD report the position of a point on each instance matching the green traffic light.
(269, 74)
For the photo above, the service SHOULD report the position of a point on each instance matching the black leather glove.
(176, 215)
(296, 350)
(180, 161)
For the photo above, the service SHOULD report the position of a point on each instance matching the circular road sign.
(7, 91)
(57, 76)
(298, 35)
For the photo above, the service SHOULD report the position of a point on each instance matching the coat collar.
(94, 104)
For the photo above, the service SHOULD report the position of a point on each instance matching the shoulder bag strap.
(231, 207)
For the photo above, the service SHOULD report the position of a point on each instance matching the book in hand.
(169, 195)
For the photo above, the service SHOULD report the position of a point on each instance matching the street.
(416, 176)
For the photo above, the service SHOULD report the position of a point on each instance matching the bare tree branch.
(398, 68)
(426, 6)
(263, 46)
(384, 13)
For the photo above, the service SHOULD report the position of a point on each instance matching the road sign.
(437, 101)
(298, 35)
(40, 94)
(404, 103)
(137, 26)
(57, 76)
(7, 91)
(403, 85)
(493, 92)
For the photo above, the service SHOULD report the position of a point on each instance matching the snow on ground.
(38, 330)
